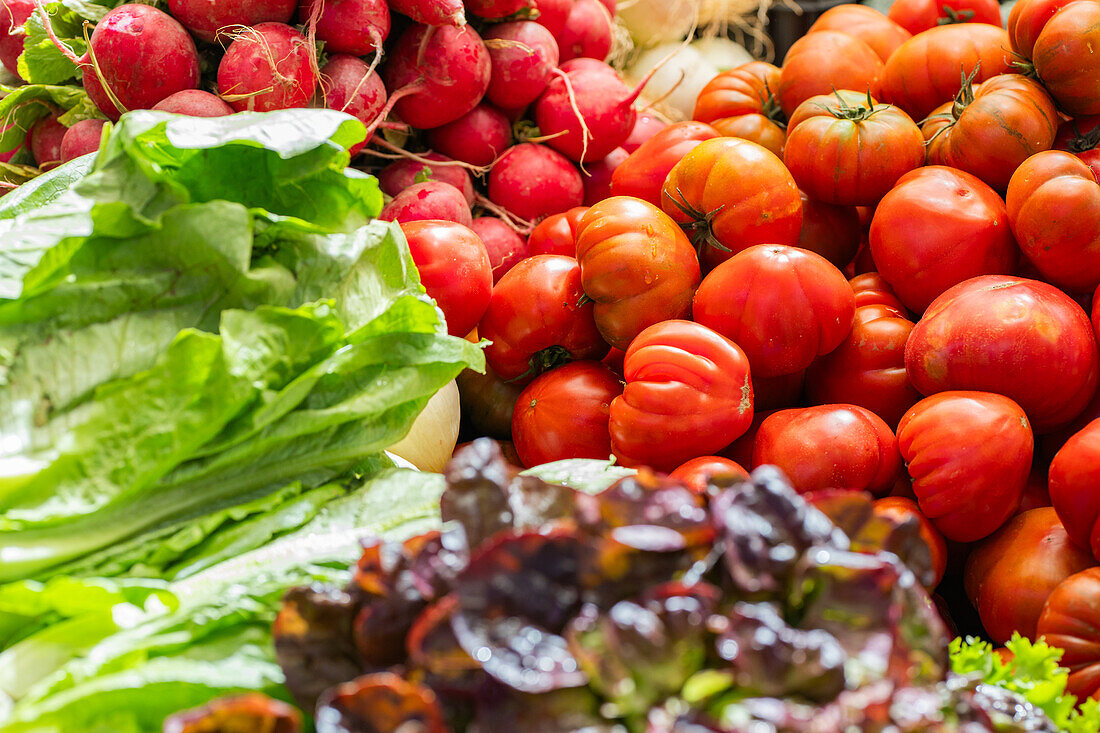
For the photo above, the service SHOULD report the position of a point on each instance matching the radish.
(523, 55)
(477, 137)
(610, 5)
(443, 73)
(430, 200)
(588, 32)
(597, 184)
(504, 245)
(44, 140)
(267, 67)
(553, 14)
(497, 9)
(432, 12)
(358, 27)
(194, 103)
(532, 181)
(350, 85)
(647, 126)
(590, 90)
(204, 18)
(396, 177)
(82, 138)
(13, 14)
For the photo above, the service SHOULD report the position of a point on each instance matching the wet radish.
(349, 85)
(523, 55)
(13, 14)
(429, 200)
(646, 126)
(358, 27)
(396, 177)
(44, 140)
(588, 32)
(82, 138)
(532, 181)
(496, 9)
(553, 14)
(432, 12)
(204, 18)
(476, 137)
(194, 103)
(267, 67)
(504, 245)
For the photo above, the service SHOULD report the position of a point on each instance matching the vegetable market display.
(775, 379)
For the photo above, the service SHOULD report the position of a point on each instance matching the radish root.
(516, 224)
(586, 135)
(399, 153)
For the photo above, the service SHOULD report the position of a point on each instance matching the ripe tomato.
(832, 231)
(1071, 622)
(829, 447)
(871, 289)
(1054, 209)
(845, 148)
(924, 72)
(783, 305)
(740, 450)
(1074, 476)
(823, 61)
(1020, 338)
(643, 173)
(1026, 21)
(638, 266)
(454, 268)
(1010, 574)
(865, 23)
(556, 234)
(1064, 57)
(688, 393)
(564, 414)
(990, 129)
(1081, 136)
(936, 228)
(868, 368)
(538, 318)
(733, 194)
(917, 16)
(741, 103)
(969, 454)
(698, 471)
(902, 508)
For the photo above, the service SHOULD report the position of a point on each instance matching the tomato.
(454, 268)
(1035, 494)
(487, 402)
(1071, 621)
(868, 368)
(564, 414)
(924, 72)
(832, 231)
(1064, 57)
(936, 228)
(741, 103)
(538, 318)
(845, 148)
(865, 23)
(688, 393)
(871, 289)
(823, 61)
(638, 266)
(556, 234)
(1054, 209)
(900, 508)
(1020, 338)
(773, 393)
(740, 450)
(733, 194)
(1026, 21)
(1010, 574)
(644, 172)
(829, 447)
(1081, 136)
(783, 305)
(698, 471)
(917, 16)
(1074, 477)
(990, 129)
(969, 454)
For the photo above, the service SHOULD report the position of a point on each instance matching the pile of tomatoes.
(872, 267)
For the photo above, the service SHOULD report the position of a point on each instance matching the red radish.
(204, 18)
(610, 5)
(350, 85)
(82, 138)
(432, 12)
(396, 177)
(523, 55)
(532, 181)
(358, 27)
(553, 14)
(267, 67)
(430, 200)
(122, 45)
(646, 126)
(194, 103)
(497, 9)
(13, 14)
(44, 140)
(446, 70)
(504, 245)
(476, 137)
(588, 31)
(597, 184)
(6, 157)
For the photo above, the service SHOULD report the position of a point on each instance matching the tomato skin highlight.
(454, 268)
(1071, 621)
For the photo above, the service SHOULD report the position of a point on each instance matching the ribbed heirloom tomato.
(698, 471)
(454, 268)
(1074, 478)
(1071, 621)
(643, 174)
(823, 61)
(917, 16)
(1065, 57)
(865, 23)
(556, 234)
(741, 103)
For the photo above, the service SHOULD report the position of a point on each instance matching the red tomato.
(1026, 21)
(924, 72)
(1071, 621)
(637, 265)
(698, 471)
(832, 231)
(871, 289)
(1035, 494)
(783, 305)
(741, 103)
(845, 148)
(823, 61)
(688, 393)
(865, 23)
(740, 450)
(902, 508)
(916, 16)
(969, 454)
(454, 268)
(829, 447)
(773, 393)
(1074, 478)
(1054, 209)
(1064, 57)
(936, 228)
(564, 414)
(1081, 136)
(644, 172)
(537, 319)
(1010, 574)
(1020, 338)
(733, 194)
(556, 234)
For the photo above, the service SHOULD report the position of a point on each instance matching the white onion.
(433, 436)
(686, 73)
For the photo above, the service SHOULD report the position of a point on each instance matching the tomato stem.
(700, 230)
(951, 16)
(1084, 141)
(544, 361)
